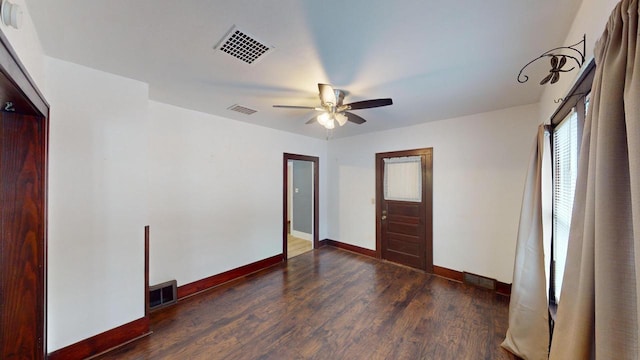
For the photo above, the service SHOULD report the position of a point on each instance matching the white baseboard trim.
(302, 235)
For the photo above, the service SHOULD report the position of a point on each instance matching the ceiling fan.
(334, 111)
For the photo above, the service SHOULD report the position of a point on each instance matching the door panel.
(398, 208)
(403, 246)
(404, 228)
(396, 228)
(24, 129)
(22, 252)
(403, 233)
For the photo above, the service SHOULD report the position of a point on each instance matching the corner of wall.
(27, 45)
(590, 20)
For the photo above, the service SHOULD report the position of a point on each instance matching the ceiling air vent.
(241, 109)
(243, 46)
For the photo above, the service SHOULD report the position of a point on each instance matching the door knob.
(384, 217)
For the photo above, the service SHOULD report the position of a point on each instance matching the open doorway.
(300, 204)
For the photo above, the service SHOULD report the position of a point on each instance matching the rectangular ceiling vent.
(241, 109)
(243, 46)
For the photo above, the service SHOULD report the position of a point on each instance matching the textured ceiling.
(436, 59)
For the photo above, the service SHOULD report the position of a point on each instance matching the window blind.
(403, 178)
(565, 165)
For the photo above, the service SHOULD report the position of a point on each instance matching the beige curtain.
(528, 333)
(598, 310)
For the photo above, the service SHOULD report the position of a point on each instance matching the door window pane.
(403, 178)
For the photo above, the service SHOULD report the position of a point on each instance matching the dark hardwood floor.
(330, 304)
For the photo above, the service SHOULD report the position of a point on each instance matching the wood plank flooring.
(297, 246)
(330, 304)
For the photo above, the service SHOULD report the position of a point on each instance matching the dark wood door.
(404, 217)
(22, 227)
(23, 211)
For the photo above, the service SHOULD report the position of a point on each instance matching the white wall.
(103, 146)
(96, 192)
(484, 242)
(27, 45)
(479, 166)
(97, 201)
(215, 192)
(591, 20)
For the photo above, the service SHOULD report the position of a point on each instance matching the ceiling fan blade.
(366, 104)
(294, 107)
(312, 120)
(354, 118)
(327, 95)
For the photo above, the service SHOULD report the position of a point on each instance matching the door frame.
(427, 195)
(316, 196)
(28, 100)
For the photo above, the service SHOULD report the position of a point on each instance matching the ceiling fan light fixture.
(341, 118)
(323, 118)
(330, 124)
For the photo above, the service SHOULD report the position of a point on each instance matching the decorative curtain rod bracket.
(560, 56)
(559, 100)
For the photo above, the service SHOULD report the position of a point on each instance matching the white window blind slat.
(565, 163)
(403, 178)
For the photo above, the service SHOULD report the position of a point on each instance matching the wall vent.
(241, 109)
(479, 281)
(242, 46)
(162, 295)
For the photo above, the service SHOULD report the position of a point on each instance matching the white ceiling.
(437, 59)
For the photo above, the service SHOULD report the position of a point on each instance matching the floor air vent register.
(479, 281)
(162, 295)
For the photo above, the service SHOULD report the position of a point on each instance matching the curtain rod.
(582, 86)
